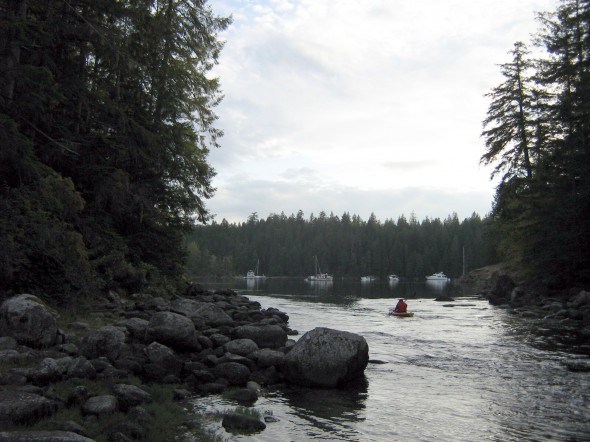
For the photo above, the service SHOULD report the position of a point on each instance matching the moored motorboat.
(393, 278)
(440, 276)
(369, 278)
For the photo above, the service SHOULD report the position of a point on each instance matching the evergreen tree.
(110, 98)
(543, 218)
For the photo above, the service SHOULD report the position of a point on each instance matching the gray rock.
(217, 339)
(107, 341)
(230, 357)
(186, 307)
(265, 336)
(7, 356)
(212, 315)
(12, 379)
(243, 396)
(70, 426)
(130, 396)
(242, 347)
(174, 330)
(49, 370)
(234, 422)
(325, 358)
(581, 299)
(81, 368)
(69, 349)
(7, 343)
(78, 395)
(26, 319)
(234, 372)
(42, 436)
(20, 407)
(136, 327)
(266, 376)
(78, 325)
(501, 288)
(100, 406)
(267, 357)
(164, 357)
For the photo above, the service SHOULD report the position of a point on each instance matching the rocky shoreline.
(200, 343)
(193, 345)
(539, 300)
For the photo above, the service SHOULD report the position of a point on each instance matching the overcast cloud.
(360, 106)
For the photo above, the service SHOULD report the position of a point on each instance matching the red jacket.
(401, 306)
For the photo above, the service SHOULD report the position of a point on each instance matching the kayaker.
(401, 306)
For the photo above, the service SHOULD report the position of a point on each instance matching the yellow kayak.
(401, 315)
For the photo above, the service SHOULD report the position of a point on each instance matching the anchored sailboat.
(319, 276)
(253, 274)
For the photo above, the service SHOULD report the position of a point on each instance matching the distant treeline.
(345, 246)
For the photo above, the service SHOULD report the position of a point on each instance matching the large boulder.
(242, 347)
(212, 315)
(29, 321)
(185, 306)
(266, 357)
(164, 357)
(265, 336)
(130, 396)
(136, 327)
(100, 406)
(501, 288)
(325, 358)
(174, 330)
(107, 341)
(234, 372)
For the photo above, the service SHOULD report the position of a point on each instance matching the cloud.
(360, 106)
(268, 197)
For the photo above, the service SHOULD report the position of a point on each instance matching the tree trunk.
(10, 46)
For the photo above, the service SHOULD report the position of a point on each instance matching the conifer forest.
(107, 117)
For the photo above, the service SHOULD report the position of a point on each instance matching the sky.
(372, 106)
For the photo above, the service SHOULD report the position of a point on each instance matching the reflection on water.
(471, 372)
(339, 289)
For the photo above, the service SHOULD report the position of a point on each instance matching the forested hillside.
(537, 134)
(345, 246)
(106, 118)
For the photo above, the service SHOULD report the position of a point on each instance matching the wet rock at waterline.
(325, 357)
(234, 422)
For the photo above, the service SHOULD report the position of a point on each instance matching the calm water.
(464, 373)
